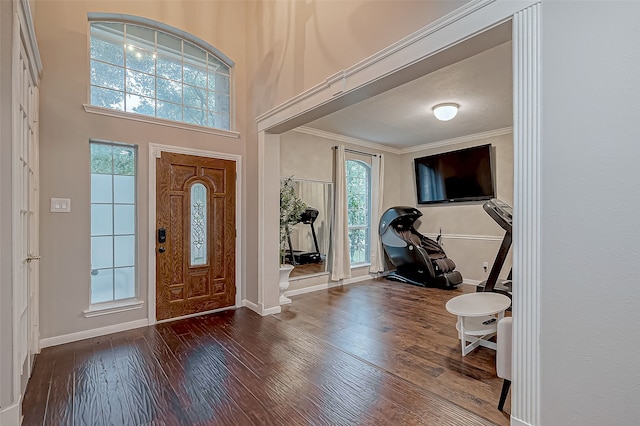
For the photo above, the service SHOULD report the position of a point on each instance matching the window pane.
(101, 158)
(106, 75)
(221, 121)
(218, 103)
(358, 245)
(107, 98)
(169, 111)
(169, 68)
(198, 224)
(124, 253)
(124, 189)
(101, 252)
(195, 76)
(125, 283)
(107, 42)
(101, 285)
(101, 188)
(141, 49)
(141, 84)
(195, 97)
(194, 54)
(101, 219)
(169, 90)
(141, 105)
(169, 45)
(124, 161)
(124, 216)
(216, 64)
(218, 82)
(195, 116)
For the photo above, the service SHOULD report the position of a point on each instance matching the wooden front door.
(195, 235)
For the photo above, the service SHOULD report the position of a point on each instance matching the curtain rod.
(353, 151)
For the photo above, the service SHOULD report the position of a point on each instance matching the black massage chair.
(418, 260)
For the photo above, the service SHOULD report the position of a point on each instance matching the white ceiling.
(402, 117)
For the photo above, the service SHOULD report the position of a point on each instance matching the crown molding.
(459, 140)
(400, 151)
(347, 139)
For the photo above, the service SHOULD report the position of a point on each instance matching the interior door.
(25, 188)
(195, 234)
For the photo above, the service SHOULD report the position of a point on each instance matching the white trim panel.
(155, 150)
(159, 121)
(88, 334)
(259, 309)
(525, 404)
(250, 305)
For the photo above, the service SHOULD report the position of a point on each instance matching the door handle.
(31, 257)
(162, 249)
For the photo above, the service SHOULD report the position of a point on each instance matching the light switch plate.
(61, 205)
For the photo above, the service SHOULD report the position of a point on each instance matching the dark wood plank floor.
(373, 353)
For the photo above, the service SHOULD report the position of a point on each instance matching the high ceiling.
(402, 117)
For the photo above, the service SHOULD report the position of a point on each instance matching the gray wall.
(590, 297)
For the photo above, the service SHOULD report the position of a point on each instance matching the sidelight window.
(113, 222)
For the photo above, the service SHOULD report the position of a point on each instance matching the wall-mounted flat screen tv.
(463, 175)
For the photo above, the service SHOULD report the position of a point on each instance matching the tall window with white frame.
(143, 70)
(113, 222)
(359, 210)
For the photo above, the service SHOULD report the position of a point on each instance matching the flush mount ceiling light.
(445, 112)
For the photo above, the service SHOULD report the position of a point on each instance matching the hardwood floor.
(372, 353)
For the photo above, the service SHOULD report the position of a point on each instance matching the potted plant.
(291, 207)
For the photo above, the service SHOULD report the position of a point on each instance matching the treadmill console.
(501, 212)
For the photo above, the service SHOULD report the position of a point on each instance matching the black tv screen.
(464, 175)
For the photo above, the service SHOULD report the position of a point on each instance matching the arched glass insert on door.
(198, 224)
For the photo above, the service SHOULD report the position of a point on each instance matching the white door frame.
(155, 151)
(460, 25)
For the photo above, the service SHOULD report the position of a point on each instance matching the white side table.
(478, 316)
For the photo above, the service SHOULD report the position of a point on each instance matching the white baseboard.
(249, 304)
(517, 422)
(87, 334)
(259, 308)
(10, 416)
(328, 285)
(471, 282)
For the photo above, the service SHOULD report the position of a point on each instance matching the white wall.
(590, 296)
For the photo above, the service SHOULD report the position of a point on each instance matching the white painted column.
(268, 222)
(525, 399)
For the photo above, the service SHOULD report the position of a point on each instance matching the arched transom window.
(144, 67)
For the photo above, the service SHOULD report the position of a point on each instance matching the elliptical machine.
(502, 213)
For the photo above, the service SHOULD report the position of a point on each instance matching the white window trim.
(160, 121)
(107, 308)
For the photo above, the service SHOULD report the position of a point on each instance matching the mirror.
(310, 238)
